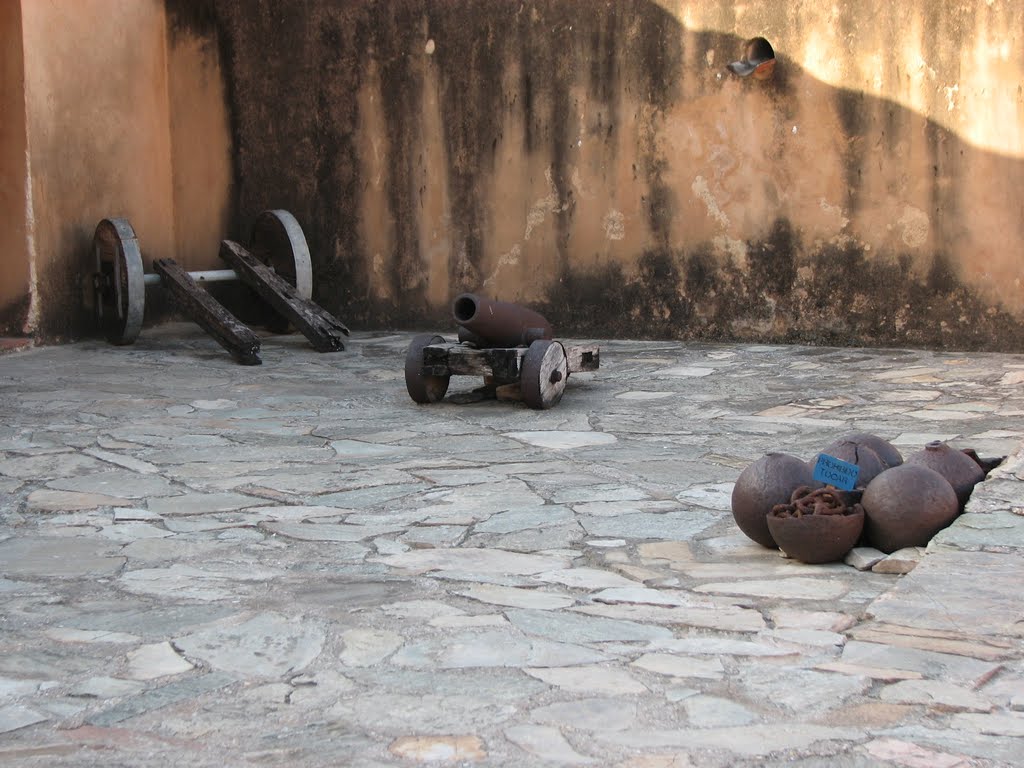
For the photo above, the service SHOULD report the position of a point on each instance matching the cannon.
(510, 346)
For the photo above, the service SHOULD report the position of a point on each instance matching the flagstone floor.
(293, 564)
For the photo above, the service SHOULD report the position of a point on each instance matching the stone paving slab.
(212, 564)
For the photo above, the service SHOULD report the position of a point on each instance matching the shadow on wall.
(725, 227)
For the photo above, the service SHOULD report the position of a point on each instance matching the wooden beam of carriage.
(325, 332)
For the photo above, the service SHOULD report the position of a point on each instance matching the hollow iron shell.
(817, 538)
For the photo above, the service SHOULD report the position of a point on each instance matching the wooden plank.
(240, 342)
(324, 331)
(503, 364)
(583, 358)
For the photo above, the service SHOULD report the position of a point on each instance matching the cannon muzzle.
(488, 323)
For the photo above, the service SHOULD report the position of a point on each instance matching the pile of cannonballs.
(896, 503)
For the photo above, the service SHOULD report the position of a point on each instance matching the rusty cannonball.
(885, 450)
(962, 472)
(905, 506)
(768, 481)
(871, 465)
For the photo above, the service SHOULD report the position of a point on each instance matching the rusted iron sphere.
(905, 506)
(768, 481)
(886, 451)
(860, 454)
(962, 472)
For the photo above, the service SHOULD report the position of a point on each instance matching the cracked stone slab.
(432, 749)
(265, 645)
(796, 588)
(673, 665)
(471, 560)
(328, 531)
(727, 618)
(158, 698)
(673, 526)
(747, 741)
(590, 679)
(977, 590)
(14, 717)
(716, 712)
(58, 557)
(149, 662)
(511, 521)
(44, 500)
(203, 503)
(493, 648)
(594, 714)
(516, 597)
(367, 647)
(942, 666)
(584, 629)
(546, 743)
(119, 483)
(936, 693)
(186, 582)
(563, 441)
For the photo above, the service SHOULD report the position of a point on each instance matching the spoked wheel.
(119, 289)
(544, 372)
(278, 241)
(423, 388)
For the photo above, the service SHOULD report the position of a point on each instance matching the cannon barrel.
(488, 323)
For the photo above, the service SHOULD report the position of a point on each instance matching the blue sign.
(836, 472)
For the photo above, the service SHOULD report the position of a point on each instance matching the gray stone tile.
(58, 557)
(583, 629)
(716, 712)
(594, 714)
(958, 670)
(546, 743)
(203, 503)
(14, 717)
(674, 526)
(590, 679)
(158, 698)
(936, 693)
(267, 645)
(119, 483)
(976, 590)
(749, 741)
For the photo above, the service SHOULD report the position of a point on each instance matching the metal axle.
(207, 276)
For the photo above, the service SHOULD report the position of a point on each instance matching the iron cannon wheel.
(119, 290)
(544, 373)
(278, 241)
(423, 388)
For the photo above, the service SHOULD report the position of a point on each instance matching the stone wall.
(96, 118)
(597, 161)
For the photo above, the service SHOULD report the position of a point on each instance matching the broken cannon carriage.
(510, 346)
(276, 265)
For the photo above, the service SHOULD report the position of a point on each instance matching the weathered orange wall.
(593, 159)
(15, 274)
(596, 160)
(99, 136)
(200, 147)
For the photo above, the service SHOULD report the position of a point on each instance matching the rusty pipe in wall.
(488, 323)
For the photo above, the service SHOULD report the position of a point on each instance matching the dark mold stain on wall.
(844, 299)
(293, 72)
